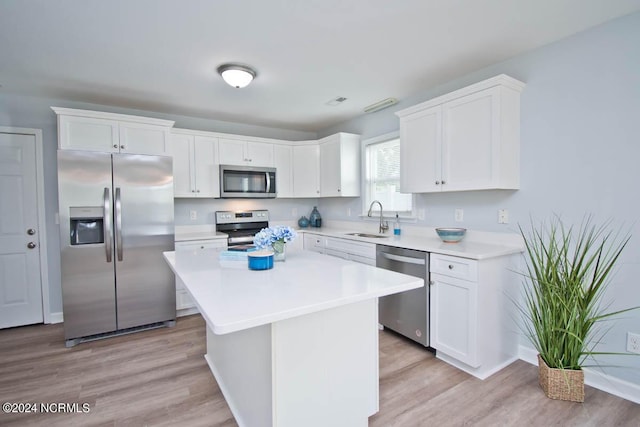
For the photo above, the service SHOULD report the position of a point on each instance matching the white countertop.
(467, 248)
(232, 298)
(184, 233)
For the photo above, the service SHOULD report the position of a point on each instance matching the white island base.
(319, 369)
(295, 345)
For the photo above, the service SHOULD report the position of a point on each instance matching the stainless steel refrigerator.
(116, 219)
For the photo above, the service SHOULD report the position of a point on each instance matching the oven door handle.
(243, 239)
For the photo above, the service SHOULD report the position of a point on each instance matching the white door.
(20, 285)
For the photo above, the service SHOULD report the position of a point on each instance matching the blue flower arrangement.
(274, 237)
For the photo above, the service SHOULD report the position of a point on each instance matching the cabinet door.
(207, 176)
(260, 154)
(183, 298)
(139, 138)
(231, 152)
(306, 168)
(454, 307)
(87, 133)
(283, 162)
(420, 151)
(471, 126)
(183, 171)
(330, 182)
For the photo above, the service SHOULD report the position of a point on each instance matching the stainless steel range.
(241, 227)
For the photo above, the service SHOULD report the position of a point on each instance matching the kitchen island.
(294, 345)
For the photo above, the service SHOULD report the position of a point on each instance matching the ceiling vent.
(337, 100)
(380, 105)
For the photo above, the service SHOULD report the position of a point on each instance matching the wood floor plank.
(160, 378)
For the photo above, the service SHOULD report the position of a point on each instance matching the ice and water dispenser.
(87, 225)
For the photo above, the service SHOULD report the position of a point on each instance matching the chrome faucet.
(384, 225)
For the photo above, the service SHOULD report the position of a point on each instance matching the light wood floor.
(160, 378)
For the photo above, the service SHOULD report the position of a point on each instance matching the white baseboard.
(593, 378)
(56, 317)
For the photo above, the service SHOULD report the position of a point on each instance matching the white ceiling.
(162, 55)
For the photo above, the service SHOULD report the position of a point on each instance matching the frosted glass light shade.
(236, 75)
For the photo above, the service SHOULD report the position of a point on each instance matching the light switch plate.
(193, 215)
(459, 215)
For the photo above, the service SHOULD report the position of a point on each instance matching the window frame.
(366, 190)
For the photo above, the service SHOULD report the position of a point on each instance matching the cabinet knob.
(115, 145)
(431, 283)
(31, 232)
(193, 191)
(437, 182)
(122, 147)
(443, 182)
(338, 190)
(201, 247)
(197, 191)
(31, 245)
(450, 267)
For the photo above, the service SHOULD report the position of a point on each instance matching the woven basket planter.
(561, 384)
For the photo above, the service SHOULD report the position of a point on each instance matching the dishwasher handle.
(405, 259)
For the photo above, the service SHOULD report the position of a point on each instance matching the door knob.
(31, 245)
(31, 232)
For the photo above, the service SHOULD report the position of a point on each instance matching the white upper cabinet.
(283, 162)
(113, 133)
(245, 153)
(340, 165)
(195, 169)
(421, 151)
(306, 170)
(466, 140)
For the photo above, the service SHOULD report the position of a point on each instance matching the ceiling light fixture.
(380, 105)
(237, 75)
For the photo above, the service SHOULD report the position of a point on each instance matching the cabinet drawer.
(314, 242)
(194, 245)
(461, 268)
(366, 250)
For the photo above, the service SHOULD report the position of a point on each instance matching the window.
(382, 175)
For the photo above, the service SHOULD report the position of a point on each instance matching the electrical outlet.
(459, 215)
(503, 216)
(633, 342)
(193, 215)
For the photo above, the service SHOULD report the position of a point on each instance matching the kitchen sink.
(368, 235)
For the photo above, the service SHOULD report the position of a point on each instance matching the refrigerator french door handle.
(106, 223)
(405, 259)
(268, 181)
(118, 206)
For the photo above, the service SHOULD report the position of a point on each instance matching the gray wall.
(580, 145)
(32, 112)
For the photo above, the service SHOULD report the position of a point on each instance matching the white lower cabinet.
(472, 316)
(314, 242)
(184, 303)
(454, 314)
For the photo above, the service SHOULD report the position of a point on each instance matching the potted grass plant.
(567, 271)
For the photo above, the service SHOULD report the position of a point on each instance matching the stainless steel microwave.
(247, 182)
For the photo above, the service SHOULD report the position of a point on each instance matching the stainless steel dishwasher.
(407, 312)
